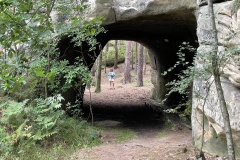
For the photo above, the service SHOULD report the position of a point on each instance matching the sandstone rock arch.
(162, 25)
(161, 33)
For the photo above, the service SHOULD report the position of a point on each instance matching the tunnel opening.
(161, 34)
(125, 103)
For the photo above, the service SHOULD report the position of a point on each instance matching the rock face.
(228, 24)
(119, 10)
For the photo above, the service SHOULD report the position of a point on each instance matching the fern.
(29, 123)
(5, 143)
(19, 133)
(46, 116)
(14, 114)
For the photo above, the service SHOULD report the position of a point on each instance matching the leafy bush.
(124, 134)
(28, 52)
(27, 124)
(35, 53)
(5, 143)
(161, 134)
(78, 133)
(108, 57)
(41, 123)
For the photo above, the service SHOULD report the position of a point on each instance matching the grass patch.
(146, 83)
(169, 123)
(161, 134)
(56, 151)
(124, 134)
(73, 135)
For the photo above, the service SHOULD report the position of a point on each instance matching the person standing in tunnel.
(111, 78)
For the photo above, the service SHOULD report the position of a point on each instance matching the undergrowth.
(161, 134)
(41, 130)
(124, 134)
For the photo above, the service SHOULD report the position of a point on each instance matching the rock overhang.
(161, 26)
(165, 18)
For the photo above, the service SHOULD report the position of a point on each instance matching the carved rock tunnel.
(161, 34)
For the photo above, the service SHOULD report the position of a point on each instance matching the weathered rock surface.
(119, 10)
(228, 34)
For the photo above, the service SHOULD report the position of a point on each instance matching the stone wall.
(227, 24)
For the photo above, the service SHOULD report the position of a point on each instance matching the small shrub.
(124, 134)
(108, 57)
(78, 133)
(169, 123)
(40, 130)
(5, 143)
(161, 134)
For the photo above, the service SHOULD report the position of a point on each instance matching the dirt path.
(125, 106)
(173, 145)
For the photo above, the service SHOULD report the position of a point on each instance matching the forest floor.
(125, 107)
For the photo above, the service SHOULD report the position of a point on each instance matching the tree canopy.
(29, 32)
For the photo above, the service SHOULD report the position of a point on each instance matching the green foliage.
(108, 57)
(183, 84)
(5, 143)
(75, 75)
(28, 36)
(41, 123)
(87, 33)
(78, 134)
(29, 123)
(201, 71)
(30, 61)
(124, 134)
(14, 114)
(33, 57)
(169, 123)
(9, 80)
(45, 115)
(161, 134)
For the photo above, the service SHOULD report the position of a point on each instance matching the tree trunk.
(127, 68)
(116, 55)
(145, 60)
(106, 58)
(136, 57)
(93, 70)
(140, 66)
(46, 80)
(98, 74)
(216, 74)
(132, 57)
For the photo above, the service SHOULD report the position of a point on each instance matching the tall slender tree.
(136, 53)
(93, 70)
(216, 75)
(145, 54)
(106, 57)
(116, 54)
(140, 66)
(132, 58)
(98, 74)
(127, 68)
